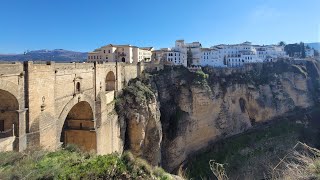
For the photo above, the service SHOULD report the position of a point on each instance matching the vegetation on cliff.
(136, 92)
(255, 152)
(71, 164)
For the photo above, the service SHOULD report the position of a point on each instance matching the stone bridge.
(50, 105)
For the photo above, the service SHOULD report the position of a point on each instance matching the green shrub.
(65, 164)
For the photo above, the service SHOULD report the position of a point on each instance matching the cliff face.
(140, 121)
(199, 108)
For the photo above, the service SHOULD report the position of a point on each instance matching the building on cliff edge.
(121, 53)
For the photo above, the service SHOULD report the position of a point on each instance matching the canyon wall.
(199, 108)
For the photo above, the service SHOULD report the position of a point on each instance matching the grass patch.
(65, 164)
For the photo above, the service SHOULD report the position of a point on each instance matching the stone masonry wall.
(50, 92)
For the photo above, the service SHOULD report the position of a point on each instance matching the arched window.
(78, 87)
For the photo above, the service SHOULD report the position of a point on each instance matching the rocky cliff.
(199, 108)
(140, 121)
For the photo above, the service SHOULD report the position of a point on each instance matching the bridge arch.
(76, 124)
(9, 116)
(110, 81)
(9, 87)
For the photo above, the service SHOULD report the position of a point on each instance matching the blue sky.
(83, 25)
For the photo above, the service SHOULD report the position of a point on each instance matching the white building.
(213, 56)
(178, 55)
(120, 53)
(309, 52)
(239, 54)
(270, 52)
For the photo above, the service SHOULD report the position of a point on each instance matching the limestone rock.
(231, 101)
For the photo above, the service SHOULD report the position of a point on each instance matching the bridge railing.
(6, 133)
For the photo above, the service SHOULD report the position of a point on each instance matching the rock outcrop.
(199, 108)
(140, 116)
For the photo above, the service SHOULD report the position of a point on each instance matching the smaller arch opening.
(110, 81)
(123, 59)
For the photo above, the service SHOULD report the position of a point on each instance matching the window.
(109, 51)
(89, 57)
(104, 51)
(106, 57)
(1, 125)
(78, 87)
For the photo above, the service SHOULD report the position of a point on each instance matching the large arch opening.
(110, 81)
(78, 128)
(9, 117)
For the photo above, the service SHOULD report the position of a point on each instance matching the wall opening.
(123, 59)
(78, 128)
(9, 117)
(78, 87)
(110, 81)
(242, 104)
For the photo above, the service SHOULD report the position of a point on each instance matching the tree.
(282, 43)
(189, 57)
(303, 50)
(296, 50)
(225, 60)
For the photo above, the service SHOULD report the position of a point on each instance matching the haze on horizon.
(86, 25)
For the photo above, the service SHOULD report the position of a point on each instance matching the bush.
(200, 78)
(65, 164)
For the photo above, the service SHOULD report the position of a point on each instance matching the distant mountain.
(315, 45)
(47, 55)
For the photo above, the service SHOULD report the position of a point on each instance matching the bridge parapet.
(11, 68)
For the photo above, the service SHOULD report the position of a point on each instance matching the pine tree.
(303, 50)
(189, 57)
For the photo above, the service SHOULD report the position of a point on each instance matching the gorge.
(169, 115)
